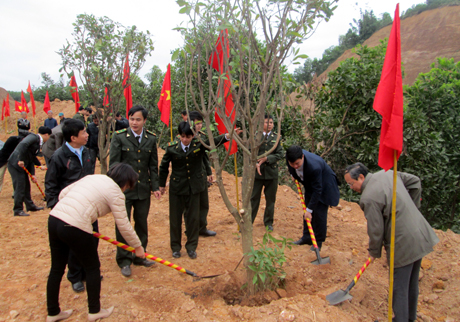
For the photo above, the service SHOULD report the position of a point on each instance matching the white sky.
(31, 32)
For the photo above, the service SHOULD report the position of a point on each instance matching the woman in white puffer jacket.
(69, 227)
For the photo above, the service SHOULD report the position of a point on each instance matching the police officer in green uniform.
(267, 175)
(197, 120)
(137, 147)
(186, 183)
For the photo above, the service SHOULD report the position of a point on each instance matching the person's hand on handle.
(140, 252)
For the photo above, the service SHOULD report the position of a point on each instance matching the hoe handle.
(361, 271)
(310, 228)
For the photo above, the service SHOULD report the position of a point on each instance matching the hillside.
(424, 37)
(161, 293)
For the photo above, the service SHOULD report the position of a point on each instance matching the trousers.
(405, 292)
(318, 223)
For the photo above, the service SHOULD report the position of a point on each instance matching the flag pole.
(392, 244)
(170, 122)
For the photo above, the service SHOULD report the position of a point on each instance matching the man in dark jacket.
(50, 121)
(55, 141)
(92, 145)
(69, 163)
(120, 123)
(23, 124)
(24, 155)
(321, 190)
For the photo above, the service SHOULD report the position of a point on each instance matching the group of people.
(77, 200)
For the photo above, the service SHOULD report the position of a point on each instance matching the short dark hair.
(195, 116)
(71, 127)
(294, 153)
(44, 130)
(268, 116)
(89, 109)
(81, 108)
(183, 112)
(118, 114)
(356, 169)
(138, 108)
(123, 174)
(184, 128)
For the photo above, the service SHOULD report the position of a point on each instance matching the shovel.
(343, 295)
(319, 260)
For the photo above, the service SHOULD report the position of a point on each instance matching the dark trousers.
(93, 156)
(21, 186)
(204, 209)
(271, 186)
(405, 292)
(140, 215)
(318, 223)
(189, 206)
(64, 238)
(76, 272)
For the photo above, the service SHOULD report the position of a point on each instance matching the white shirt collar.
(184, 146)
(137, 135)
(41, 139)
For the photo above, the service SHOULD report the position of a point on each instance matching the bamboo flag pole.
(170, 122)
(392, 244)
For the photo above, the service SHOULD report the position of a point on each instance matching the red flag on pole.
(388, 100)
(7, 109)
(127, 86)
(46, 104)
(164, 104)
(18, 107)
(24, 103)
(74, 93)
(216, 60)
(32, 100)
(3, 108)
(106, 101)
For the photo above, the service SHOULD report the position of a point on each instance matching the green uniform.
(143, 158)
(187, 182)
(80, 117)
(268, 179)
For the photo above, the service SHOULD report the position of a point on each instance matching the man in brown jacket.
(414, 237)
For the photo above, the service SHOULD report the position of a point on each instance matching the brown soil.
(162, 293)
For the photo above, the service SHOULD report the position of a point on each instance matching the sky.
(31, 32)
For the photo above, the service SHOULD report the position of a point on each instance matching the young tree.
(255, 40)
(98, 53)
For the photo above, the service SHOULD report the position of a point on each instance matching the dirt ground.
(161, 293)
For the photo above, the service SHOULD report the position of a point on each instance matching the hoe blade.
(338, 297)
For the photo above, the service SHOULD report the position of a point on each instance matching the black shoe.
(208, 233)
(191, 254)
(302, 241)
(176, 254)
(270, 228)
(145, 263)
(21, 214)
(35, 208)
(78, 287)
(126, 271)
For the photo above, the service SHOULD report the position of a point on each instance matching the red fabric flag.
(388, 100)
(127, 86)
(32, 100)
(7, 109)
(3, 109)
(216, 60)
(106, 101)
(24, 103)
(74, 93)
(18, 106)
(164, 104)
(46, 104)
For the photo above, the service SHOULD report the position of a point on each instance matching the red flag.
(24, 103)
(3, 109)
(7, 109)
(127, 86)
(216, 60)
(18, 107)
(106, 101)
(46, 104)
(388, 100)
(32, 100)
(164, 104)
(74, 92)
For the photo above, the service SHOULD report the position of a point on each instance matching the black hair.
(138, 108)
(118, 114)
(123, 174)
(89, 109)
(71, 127)
(183, 113)
(81, 108)
(44, 130)
(268, 116)
(195, 116)
(356, 169)
(184, 128)
(294, 153)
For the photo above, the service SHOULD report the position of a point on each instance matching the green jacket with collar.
(269, 168)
